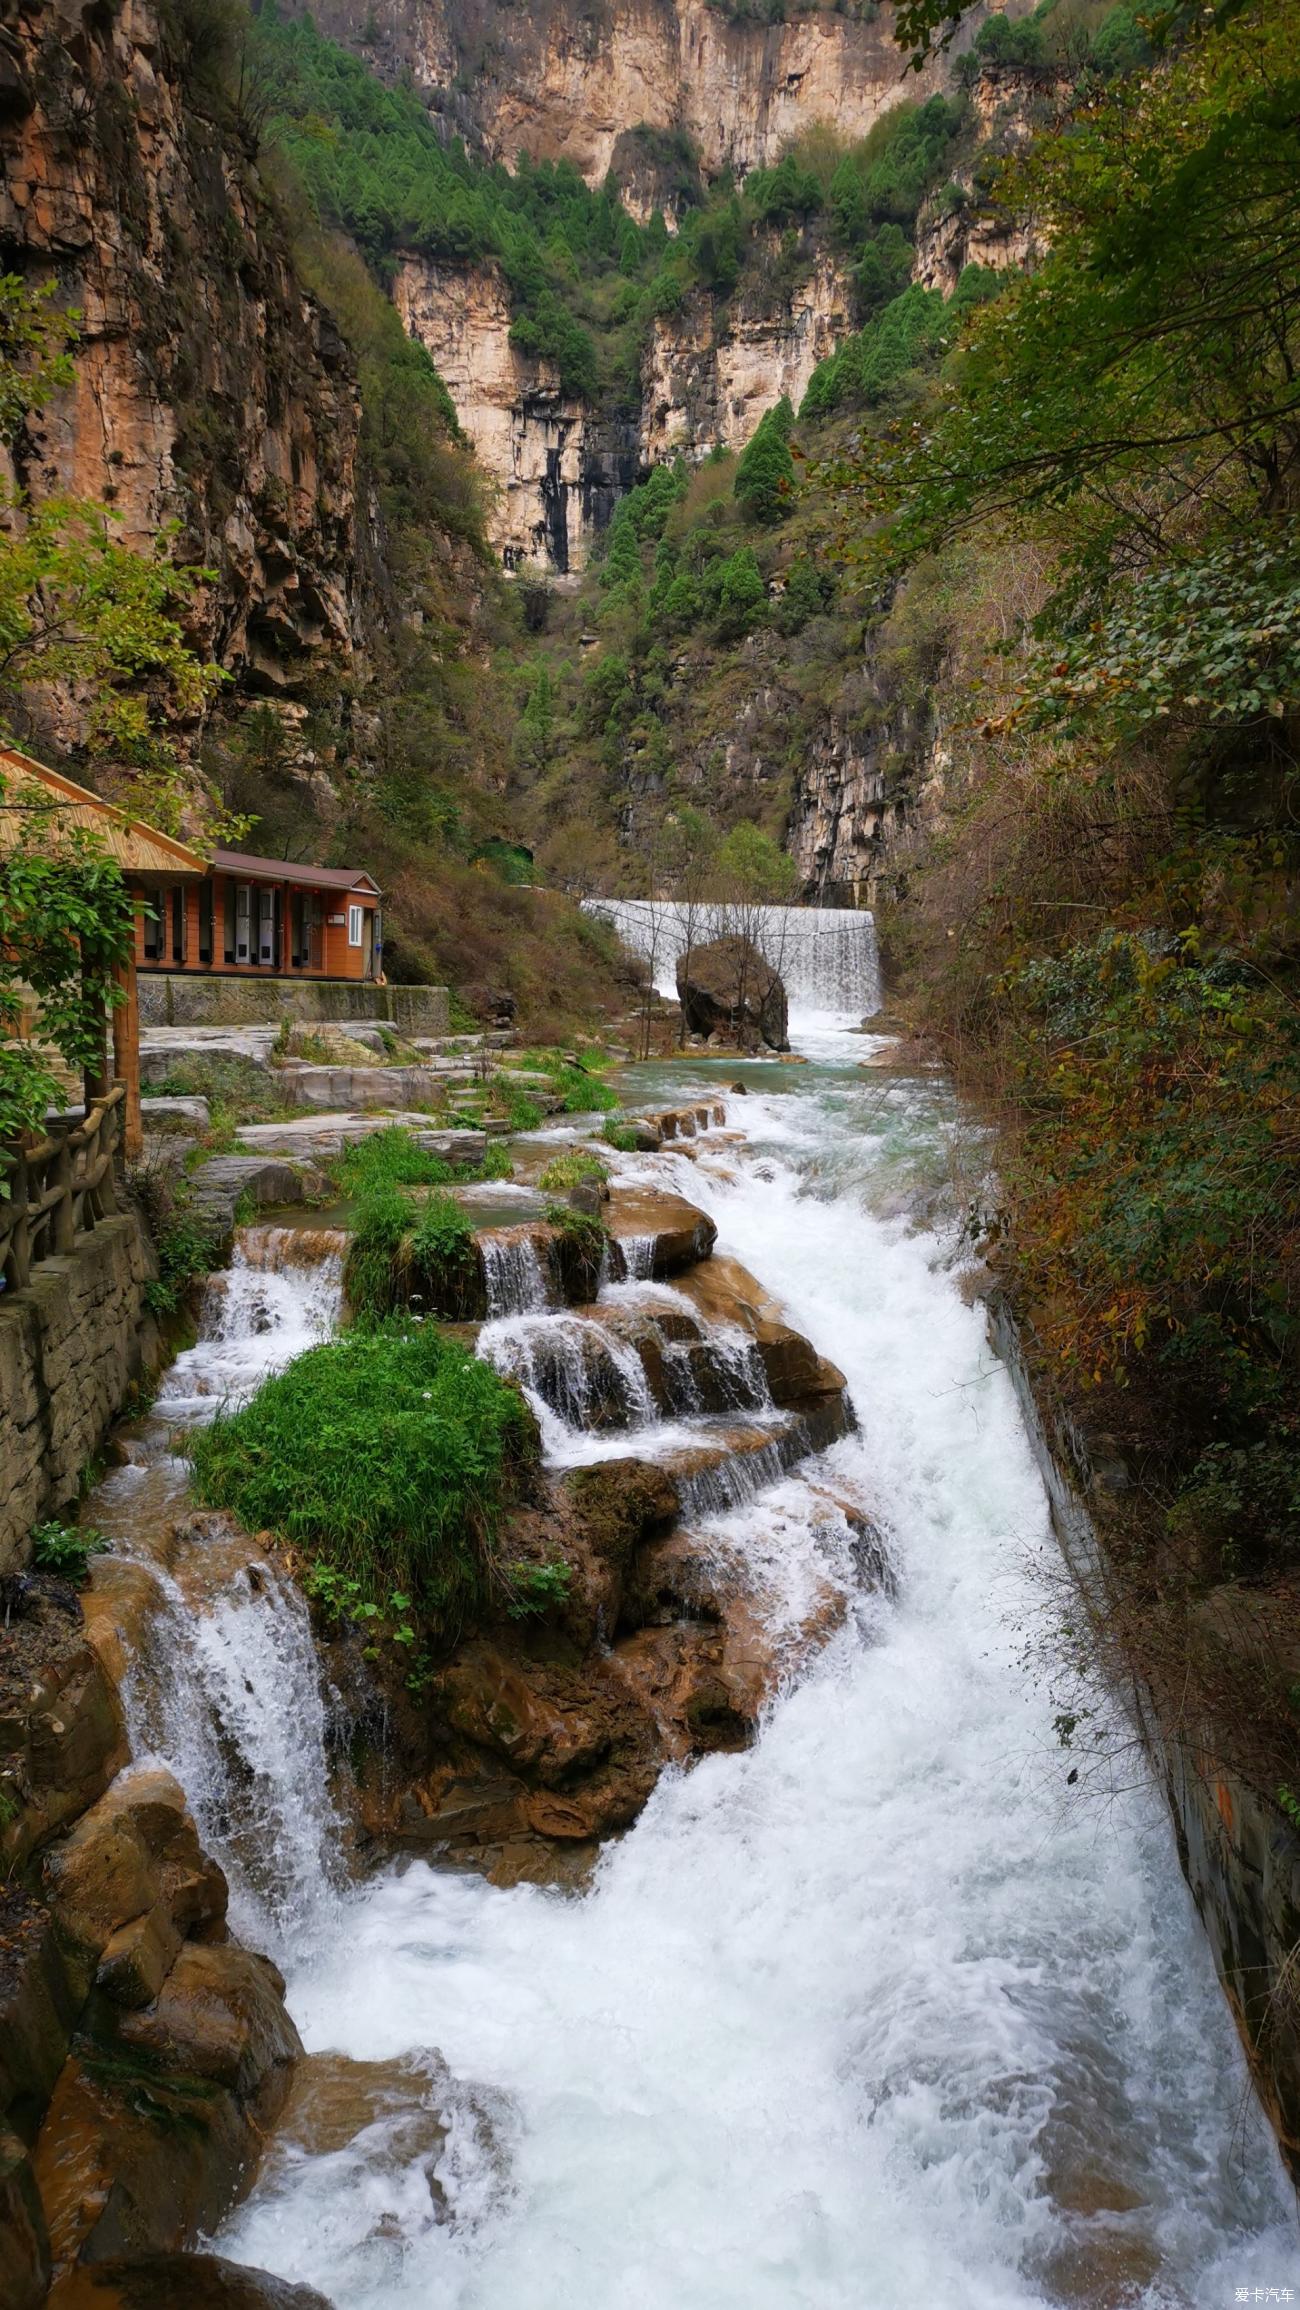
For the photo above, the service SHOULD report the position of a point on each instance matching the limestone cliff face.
(210, 391)
(556, 468)
(962, 225)
(570, 77)
(709, 377)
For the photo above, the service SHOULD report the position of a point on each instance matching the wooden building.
(252, 914)
(150, 862)
(235, 916)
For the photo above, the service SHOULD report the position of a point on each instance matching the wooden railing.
(60, 1186)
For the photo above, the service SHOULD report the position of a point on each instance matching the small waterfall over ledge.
(826, 956)
(226, 1690)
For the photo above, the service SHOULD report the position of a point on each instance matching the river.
(880, 2012)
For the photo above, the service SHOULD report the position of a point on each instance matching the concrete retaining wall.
(71, 1345)
(178, 999)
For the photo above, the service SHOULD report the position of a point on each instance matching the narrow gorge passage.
(877, 2012)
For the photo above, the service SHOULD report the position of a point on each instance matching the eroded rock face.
(558, 467)
(209, 389)
(727, 989)
(142, 2053)
(559, 81)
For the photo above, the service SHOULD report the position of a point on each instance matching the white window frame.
(356, 919)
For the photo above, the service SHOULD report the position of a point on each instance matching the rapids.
(878, 2013)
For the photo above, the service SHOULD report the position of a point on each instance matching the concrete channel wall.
(1240, 1857)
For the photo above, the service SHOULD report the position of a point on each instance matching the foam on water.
(879, 2013)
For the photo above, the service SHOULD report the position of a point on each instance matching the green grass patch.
(392, 1158)
(386, 1455)
(620, 1136)
(570, 1170)
(521, 1112)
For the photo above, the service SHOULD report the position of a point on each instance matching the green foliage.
(765, 473)
(386, 1455)
(379, 1229)
(752, 867)
(389, 1158)
(186, 1245)
(522, 1113)
(35, 349)
(540, 1588)
(911, 329)
(1213, 639)
(571, 1169)
(620, 1136)
(585, 1234)
(65, 923)
(67, 1549)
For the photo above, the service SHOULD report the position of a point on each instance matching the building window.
(205, 922)
(155, 909)
(178, 923)
(231, 930)
(243, 918)
(355, 914)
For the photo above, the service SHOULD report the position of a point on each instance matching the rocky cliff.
(564, 79)
(557, 466)
(210, 391)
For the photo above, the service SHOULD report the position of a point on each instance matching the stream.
(879, 2012)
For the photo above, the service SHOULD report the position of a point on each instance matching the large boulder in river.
(726, 988)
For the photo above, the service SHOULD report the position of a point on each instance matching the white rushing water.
(825, 955)
(227, 1691)
(877, 2014)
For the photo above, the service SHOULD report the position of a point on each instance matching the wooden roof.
(141, 851)
(243, 863)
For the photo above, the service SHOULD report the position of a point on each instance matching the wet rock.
(158, 2119)
(24, 2243)
(726, 1293)
(62, 1731)
(728, 991)
(131, 1881)
(180, 2282)
(657, 1235)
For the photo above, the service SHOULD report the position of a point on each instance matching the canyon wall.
(210, 391)
(562, 80)
(556, 466)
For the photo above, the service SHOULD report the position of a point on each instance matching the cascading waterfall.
(825, 955)
(230, 1697)
(227, 1692)
(513, 1275)
(876, 2013)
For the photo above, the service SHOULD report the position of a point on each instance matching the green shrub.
(582, 1093)
(387, 1454)
(439, 1260)
(67, 1549)
(370, 1269)
(522, 1113)
(569, 1170)
(538, 1588)
(185, 1243)
(620, 1136)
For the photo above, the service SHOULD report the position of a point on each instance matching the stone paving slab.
(309, 1136)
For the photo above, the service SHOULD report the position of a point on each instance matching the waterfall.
(227, 1691)
(512, 1272)
(229, 1695)
(825, 955)
(282, 1292)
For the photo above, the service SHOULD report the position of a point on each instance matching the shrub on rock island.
(387, 1454)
